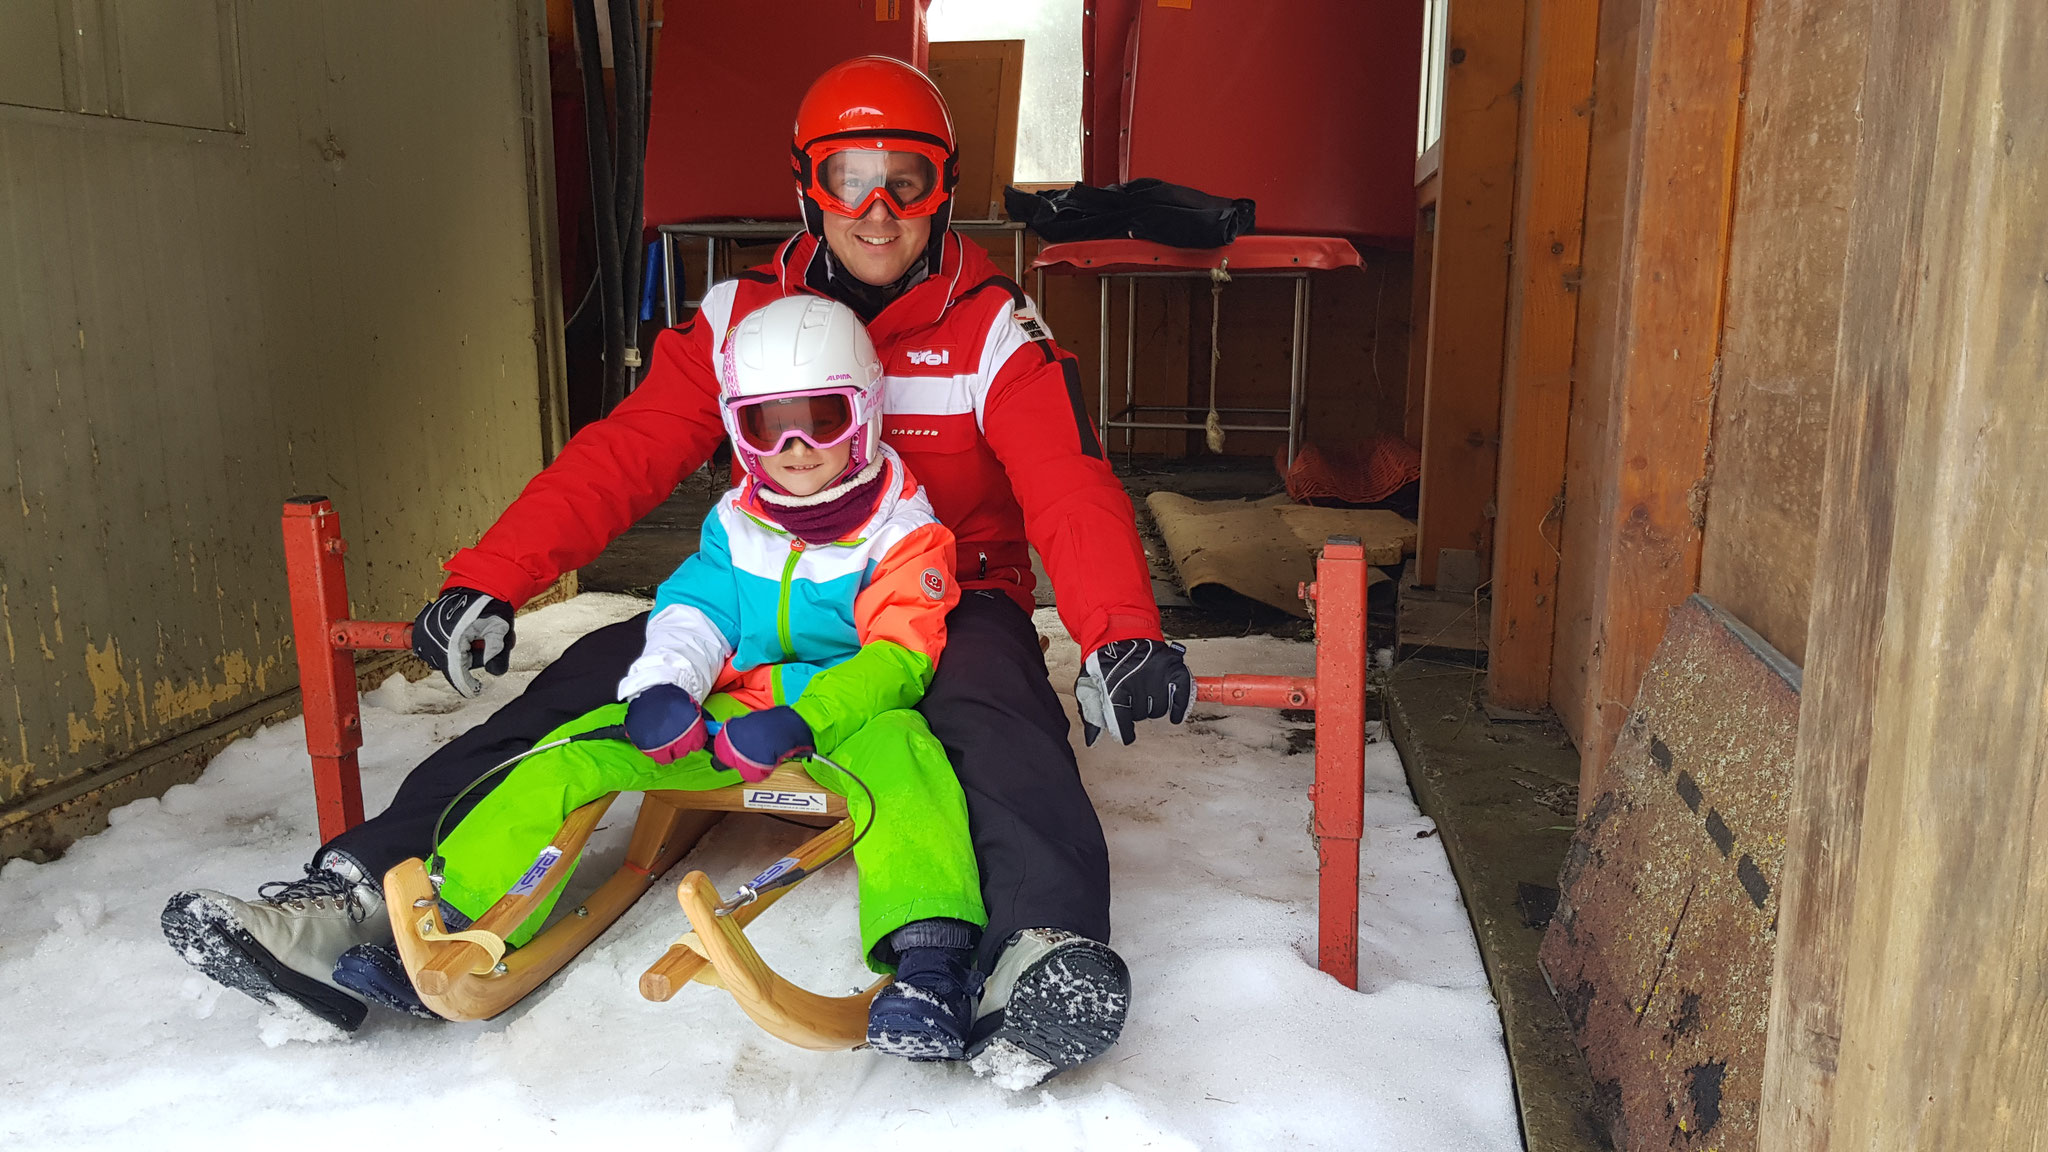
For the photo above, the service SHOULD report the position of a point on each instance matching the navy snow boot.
(374, 972)
(377, 973)
(925, 1013)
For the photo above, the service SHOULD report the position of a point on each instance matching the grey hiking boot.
(281, 948)
(1055, 999)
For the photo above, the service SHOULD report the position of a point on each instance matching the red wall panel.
(1307, 107)
(726, 86)
(1105, 29)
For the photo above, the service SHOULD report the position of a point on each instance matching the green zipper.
(796, 551)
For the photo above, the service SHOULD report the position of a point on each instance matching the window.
(1436, 28)
(1049, 110)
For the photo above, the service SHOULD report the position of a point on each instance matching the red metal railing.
(327, 639)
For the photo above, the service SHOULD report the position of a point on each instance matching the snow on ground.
(1235, 1040)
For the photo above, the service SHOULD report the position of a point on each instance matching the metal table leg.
(1130, 362)
(1297, 370)
(1102, 357)
(668, 279)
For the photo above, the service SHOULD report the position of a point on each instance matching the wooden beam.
(1468, 288)
(1575, 658)
(1907, 1009)
(1667, 322)
(1543, 313)
(1418, 306)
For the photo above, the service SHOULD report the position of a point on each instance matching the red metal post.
(368, 634)
(1338, 795)
(1257, 691)
(327, 673)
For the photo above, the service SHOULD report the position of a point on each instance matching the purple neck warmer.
(831, 520)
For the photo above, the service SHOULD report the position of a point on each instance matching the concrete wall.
(247, 250)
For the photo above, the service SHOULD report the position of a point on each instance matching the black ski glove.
(445, 632)
(1126, 681)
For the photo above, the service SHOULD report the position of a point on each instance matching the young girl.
(810, 619)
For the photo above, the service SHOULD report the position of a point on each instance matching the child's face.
(801, 470)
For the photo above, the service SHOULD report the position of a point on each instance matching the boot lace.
(318, 884)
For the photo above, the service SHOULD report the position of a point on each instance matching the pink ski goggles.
(822, 418)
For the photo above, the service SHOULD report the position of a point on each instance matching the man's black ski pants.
(1040, 847)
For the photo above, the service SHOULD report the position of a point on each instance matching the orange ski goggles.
(909, 178)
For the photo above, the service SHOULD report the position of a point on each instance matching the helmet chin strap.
(935, 247)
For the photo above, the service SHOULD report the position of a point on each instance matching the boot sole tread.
(1068, 1009)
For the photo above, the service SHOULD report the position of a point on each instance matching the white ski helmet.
(801, 366)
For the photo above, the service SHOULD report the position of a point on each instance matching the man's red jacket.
(985, 409)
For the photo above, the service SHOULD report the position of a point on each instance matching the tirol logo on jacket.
(930, 360)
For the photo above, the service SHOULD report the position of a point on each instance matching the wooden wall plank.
(1469, 285)
(1071, 310)
(1358, 353)
(982, 82)
(1575, 657)
(1784, 305)
(1651, 501)
(1909, 1011)
(1418, 308)
(1543, 308)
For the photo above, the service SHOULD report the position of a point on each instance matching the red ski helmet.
(874, 129)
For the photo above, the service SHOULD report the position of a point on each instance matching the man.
(987, 412)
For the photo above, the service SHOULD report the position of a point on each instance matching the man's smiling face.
(877, 247)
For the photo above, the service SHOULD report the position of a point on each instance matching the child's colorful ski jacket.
(841, 632)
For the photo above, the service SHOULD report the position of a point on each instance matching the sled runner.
(717, 952)
(471, 975)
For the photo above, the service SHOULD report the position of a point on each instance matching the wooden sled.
(717, 952)
(471, 975)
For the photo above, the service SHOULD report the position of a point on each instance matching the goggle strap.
(885, 134)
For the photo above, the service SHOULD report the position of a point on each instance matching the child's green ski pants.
(916, 861)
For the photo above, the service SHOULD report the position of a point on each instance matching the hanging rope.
(1218, 277)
